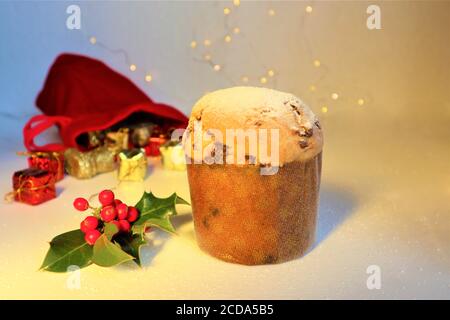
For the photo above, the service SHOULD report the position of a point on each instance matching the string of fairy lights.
(202, 54)
(93, 40)
(230, 31)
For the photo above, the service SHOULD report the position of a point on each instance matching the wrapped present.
(133, 165)
(173, 156)
(85, 165)
(95, 138)
(33, 186)
(91, 139)
(117, 141)
(152, 148)
(53, 162)
(141, 134)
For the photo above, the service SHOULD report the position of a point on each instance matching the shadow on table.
(59, 190)
(336, 205)
(150, 170)
(158, 238)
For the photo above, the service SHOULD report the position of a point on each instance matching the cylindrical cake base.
(244, 217)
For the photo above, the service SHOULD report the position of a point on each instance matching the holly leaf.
(66, 250)
(132, 244)
(161, 223)
(156, 212)
(108, 254)
(110, 230)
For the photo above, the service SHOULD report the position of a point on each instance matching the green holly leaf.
(66, 250)
(108, 254)
(132, 244)
(156, 212)
(161, 223)
(110, 230)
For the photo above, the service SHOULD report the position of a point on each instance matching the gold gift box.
(133, 165)
(173, 156)
(117, 141)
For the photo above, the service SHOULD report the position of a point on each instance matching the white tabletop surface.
(384, 201)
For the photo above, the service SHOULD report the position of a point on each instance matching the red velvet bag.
(82, 94)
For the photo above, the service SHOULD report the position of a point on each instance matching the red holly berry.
(106, 197)
(117, 202)
(89, 223)
(81, 204)
(122, 211)
(133, 214)
(108, 213)
(92, 236)
(83, 227)
(124, 226)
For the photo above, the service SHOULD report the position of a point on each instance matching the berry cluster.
(112, 211)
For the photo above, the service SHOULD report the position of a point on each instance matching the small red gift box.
(152, 149)
(53, 162)
(33, 186)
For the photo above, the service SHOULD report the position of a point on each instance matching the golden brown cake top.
(300, 134)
